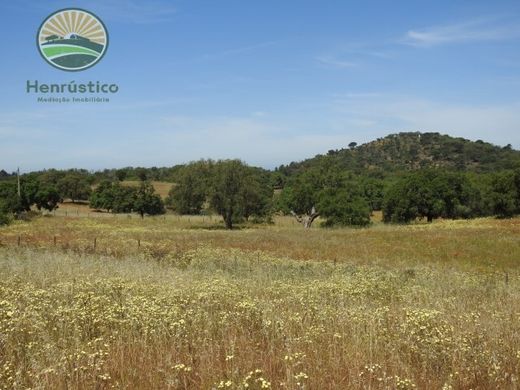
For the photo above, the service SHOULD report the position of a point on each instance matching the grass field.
(178, 303)
(161, 187)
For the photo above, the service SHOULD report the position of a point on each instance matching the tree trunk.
(308, 219)
(228, 220)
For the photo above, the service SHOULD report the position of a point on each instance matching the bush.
(4, 219)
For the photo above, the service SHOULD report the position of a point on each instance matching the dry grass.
(161, 187)
(424, 306)
(484, 244)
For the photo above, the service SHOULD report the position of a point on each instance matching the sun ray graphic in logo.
(72, 39)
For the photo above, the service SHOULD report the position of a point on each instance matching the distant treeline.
(407, 176)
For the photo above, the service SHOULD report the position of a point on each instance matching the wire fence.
(195, 219)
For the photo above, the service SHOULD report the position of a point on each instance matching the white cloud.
(259, 140)
(499, 124)
(254, 140)
(468, 31)
(335, 63)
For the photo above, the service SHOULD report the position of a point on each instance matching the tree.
(430, 194)
(12, 201)
(124, 199)
(191, 189)
(238, 191)
(147, 201)
(141, 174)
(74, 186)
(344, 208)
(116, 198)
(300, 197)
(32, 193)
(503, 196)
(52, 38)
(47, 198)
(121, 174)
(352, 145)
(103, 197)
(327, 192)
(113, 197)
(4, 213)
(373, 192)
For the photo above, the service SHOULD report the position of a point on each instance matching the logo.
(72, 39)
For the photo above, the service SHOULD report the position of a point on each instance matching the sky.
(268, 82)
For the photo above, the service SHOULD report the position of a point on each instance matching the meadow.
(95, 301)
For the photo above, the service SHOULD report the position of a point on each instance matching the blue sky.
(265, 81)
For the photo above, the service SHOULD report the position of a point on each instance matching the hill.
(383, 157)
(413, 150)
(78, 42)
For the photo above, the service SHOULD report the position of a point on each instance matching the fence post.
(95, 243)
(19, 240)
(138, 243)
(54, 240)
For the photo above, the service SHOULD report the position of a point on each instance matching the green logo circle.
(72, 39)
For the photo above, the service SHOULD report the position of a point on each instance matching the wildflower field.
(178, 303)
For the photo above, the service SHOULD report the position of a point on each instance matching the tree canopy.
(237, 192)
(326, 192)
(429, 194)
(114, 197)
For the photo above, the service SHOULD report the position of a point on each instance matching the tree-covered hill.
(414, 150)
(406, 175)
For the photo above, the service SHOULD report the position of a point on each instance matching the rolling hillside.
(409, 151)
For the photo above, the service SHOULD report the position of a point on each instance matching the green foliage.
(343, 207)
(11, 202)
(146, 201)
(4, 219)
(4, 213)
(301, 194)
(339, 187)
(257, 194)
(503, 197)
(47, 198)
(114, 197)
(75, 186)
(278, 179)
(52, 38)
(103, 197)
(373, 190)
(238, 192)
(121, 174)
(142, 174)
(165, 174)
(124, 198)
(191, 189)
(430, 194)
(328, 192)
(32, 193)
(397, 153)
